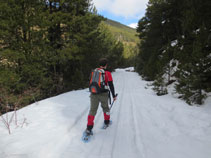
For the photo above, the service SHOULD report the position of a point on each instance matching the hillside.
(122, 32)
(126, 35)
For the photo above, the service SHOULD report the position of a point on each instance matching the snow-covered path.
(143, 126)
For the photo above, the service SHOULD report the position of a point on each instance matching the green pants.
(95, 99)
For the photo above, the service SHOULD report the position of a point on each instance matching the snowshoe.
(106, 125)
(87, 135)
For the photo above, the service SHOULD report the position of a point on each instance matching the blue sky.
(127, 12)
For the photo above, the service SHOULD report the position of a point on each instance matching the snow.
(133, 25)
(143, 126)
(174, 43)
(173, 68)
(163, 22)
(196, 31)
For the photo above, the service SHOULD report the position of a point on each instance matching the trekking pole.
(113, 101)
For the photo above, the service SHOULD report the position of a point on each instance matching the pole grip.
(113, 101)
(116, 94)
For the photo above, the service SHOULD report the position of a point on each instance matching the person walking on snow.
(102, 97)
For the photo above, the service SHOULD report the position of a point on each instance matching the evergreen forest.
(50, 47)
(128, 36)
(175, 47)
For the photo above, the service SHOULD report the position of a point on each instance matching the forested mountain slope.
(125, 34)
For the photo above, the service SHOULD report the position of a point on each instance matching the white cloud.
(133, 25)
(124, 8)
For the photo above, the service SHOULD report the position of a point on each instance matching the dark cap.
(103, 62)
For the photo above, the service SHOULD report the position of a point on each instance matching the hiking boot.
(89, 132)
(107, 122)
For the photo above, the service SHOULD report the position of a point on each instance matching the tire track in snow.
(118, 116)
(130, 145)
(134, 128)
(127, 120)
(98, 145)
(137, 137)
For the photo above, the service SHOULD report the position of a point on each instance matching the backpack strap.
(103, 73)
(91, 77)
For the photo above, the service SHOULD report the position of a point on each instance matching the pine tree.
(175, 42)
(194, 66)
(20, 48)
(50, 47)
(152, 40)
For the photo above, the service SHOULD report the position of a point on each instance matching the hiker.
(100, 93)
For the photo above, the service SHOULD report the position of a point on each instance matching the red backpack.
(97, 81)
